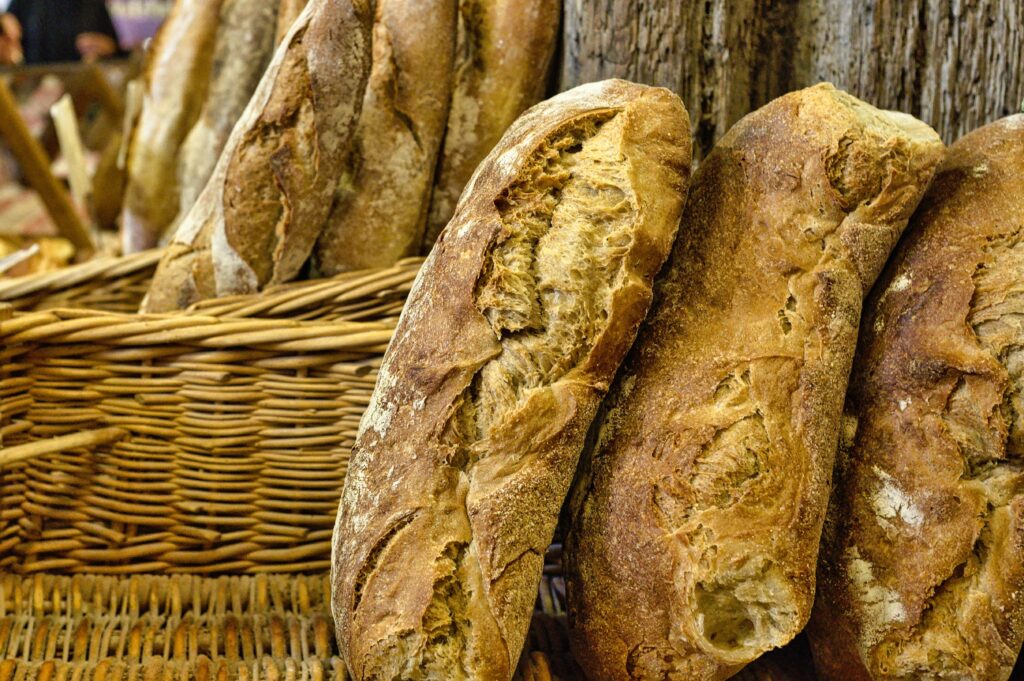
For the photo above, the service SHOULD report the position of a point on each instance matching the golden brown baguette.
(511, 335)
(922, 564)
(696, 518)
(245, 44)
(256, 221)
(381, 203)
(504, 51)
(176, 80)
(288, 12)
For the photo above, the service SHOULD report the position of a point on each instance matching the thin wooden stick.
(36, 167)
(88, 438)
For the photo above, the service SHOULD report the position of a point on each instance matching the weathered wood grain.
(956, 64)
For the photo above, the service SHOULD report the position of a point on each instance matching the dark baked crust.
(256, 221)
(382, 199)
(695, 521)
(511, 335)
(504, 51)
(922, 565)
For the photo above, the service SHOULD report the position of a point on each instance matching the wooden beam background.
(956, 64)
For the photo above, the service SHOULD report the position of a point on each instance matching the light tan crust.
(695, 520)
(504, 52)
(511, 335)
(176, 80)
(381, 204)
(245, 44)
(256, 221)
(288, 12)
(922, 565)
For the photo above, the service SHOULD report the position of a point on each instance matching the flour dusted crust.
(260, 214)
(511, 335)
(502, 59)
(244, 46)
(176, 80)
(382, 199)
(922, 566)
(696, 518)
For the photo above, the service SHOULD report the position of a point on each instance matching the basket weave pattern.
(211, 441)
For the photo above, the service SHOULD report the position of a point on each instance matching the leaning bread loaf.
(381, 203)
(510, 337)
(176, 79)
(258, 217)
(504, 50)
(696, 519)
(922, 564)
(245, 43)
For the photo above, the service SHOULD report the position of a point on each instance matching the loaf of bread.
(921, 573)
(510, 337)
(257, 219)
(504, 51)
(176, 79)
(696, 517)
(382, 199)
(288, 12)
(245, 44)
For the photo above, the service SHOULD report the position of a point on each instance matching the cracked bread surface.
(503, 55)
(382, 197)
(257, 219)
(696, 515)
(921, 573)
(511, 336)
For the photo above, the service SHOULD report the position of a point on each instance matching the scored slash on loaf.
(259, 216)
(511, 335)
(922, 564)
(695, 521)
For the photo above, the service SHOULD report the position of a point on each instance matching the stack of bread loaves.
(312, 181)
(695, 517)
(201, 71)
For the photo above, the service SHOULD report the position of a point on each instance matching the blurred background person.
(45, 31)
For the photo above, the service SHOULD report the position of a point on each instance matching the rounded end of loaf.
(739, 615)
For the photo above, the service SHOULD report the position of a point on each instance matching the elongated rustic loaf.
(511, 335)
(245, 44)
(256, 221)
(696, 519)
(287, 13)
(922, 564)
(504, 51)
(381, 204)
(176, 80)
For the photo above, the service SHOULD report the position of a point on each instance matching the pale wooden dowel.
(36, 167)
(88, 438)
(65, 120)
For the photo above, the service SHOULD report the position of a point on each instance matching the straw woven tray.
(168, 484)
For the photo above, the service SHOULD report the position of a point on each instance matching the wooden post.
(36, 167)
(955, 65)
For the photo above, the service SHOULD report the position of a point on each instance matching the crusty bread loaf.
(176, 79)
(921, 573)
(381, 204)
(245, 43)
(504, 51)
(288, 12)
(258, 217)
(511, 335)
(695, 520)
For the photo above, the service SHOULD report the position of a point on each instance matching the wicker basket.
(168, 483)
